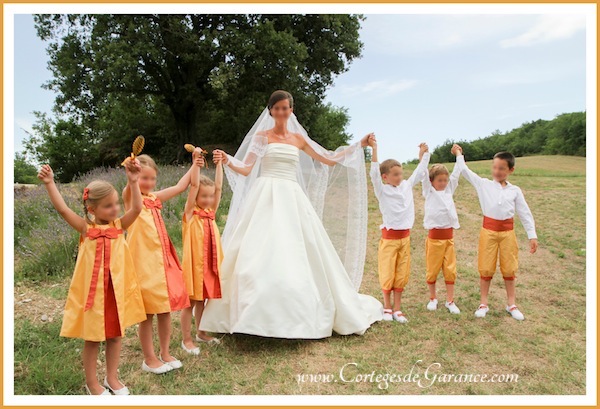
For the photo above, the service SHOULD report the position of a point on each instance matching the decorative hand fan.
(136, 149)
(190, 148)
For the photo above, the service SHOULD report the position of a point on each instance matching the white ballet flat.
(193, 351)
(106, 391)
(164, 368)
(176, 364)
(213, 341)
(123, 391)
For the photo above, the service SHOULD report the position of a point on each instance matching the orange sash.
(392, 234)
(212, 287)
(171, 261)
(441, 234)
(498, 225)
(102, 237)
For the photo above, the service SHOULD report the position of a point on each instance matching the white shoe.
(106, 391)
(481, 311)
(213, 341)
(176, 364)
(452, 307)
(432, 304)
(123, 391)
(164, 368)
(400, 317)
(193, 351)
(514, 311)
(387, 315)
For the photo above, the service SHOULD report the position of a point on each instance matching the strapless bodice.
(280, 161)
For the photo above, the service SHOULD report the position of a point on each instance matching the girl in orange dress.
(157, 266)
(202, 253)
(104, 296)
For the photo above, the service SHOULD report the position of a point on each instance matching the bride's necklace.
(281, 138)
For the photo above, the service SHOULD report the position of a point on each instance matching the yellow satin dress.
(104, 296)
(202, 255)
(156, 261)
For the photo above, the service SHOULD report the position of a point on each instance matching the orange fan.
(136, 149)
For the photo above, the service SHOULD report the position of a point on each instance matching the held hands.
(219, 156)
(133, 169)
(198, 157)
(533, 245)
(46, 174)
(423, 147)
(368, 140)
(456, 150)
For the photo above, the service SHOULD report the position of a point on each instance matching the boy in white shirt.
(441, 220)
(499, 200)
(398, 210)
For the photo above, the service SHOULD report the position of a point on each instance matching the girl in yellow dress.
(104, 296)
(157, 266)
(202, 253)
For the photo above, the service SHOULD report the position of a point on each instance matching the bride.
(282, 274)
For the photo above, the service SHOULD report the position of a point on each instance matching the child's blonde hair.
(205, 181)
(387, 165)
(94, 193)
(147, 161)
(436, 170)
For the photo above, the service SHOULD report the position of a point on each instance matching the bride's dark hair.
(280, 95)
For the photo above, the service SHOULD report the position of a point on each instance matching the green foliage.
(200, 79)
(25, 172)
(564, 135)
(68, 147)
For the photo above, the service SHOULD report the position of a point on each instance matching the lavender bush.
(46, 246)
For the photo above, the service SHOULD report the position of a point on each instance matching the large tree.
(194, 78)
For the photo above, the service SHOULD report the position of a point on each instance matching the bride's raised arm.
(244, 166)
(331, 158)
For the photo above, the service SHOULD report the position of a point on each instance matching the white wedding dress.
(281, 276)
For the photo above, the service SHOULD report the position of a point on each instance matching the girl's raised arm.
(218, 184)
(171, 192)
(46, 175)
(194, 185)
(133, 169)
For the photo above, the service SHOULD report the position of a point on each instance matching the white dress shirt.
(440, 212)
(396, 203)
(500, 202)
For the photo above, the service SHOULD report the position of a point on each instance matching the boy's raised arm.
(421, 170)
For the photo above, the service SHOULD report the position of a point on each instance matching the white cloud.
(549, 27)
(409, 34)
(382, 87)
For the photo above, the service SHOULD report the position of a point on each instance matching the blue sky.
(422, 77)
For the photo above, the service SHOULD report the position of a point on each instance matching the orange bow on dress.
(102, 237)
(154, 206)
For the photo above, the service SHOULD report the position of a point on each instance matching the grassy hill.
(546, 351)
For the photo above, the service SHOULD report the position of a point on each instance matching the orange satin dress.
(202, 255)
(156, 261)
(104, 296)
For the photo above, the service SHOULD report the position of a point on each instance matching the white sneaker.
(399, 317)
(387, 315)
(515, 313)
(481, 311)
(432, 304)
(452, 307)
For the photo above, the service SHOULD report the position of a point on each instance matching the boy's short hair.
(387, 165)
(436, 170)
(508, 157)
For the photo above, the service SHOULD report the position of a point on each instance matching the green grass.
(547, 350)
